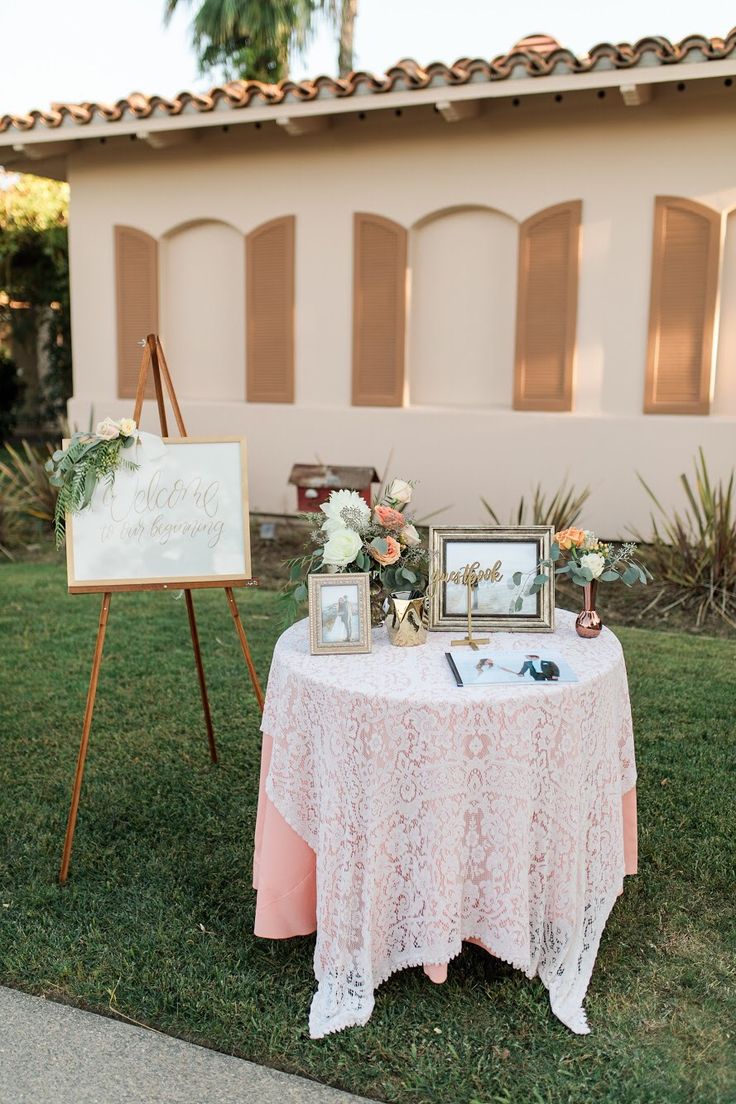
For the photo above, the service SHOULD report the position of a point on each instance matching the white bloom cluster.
(594, 562)
(108, 429)
(347, 514)
(345, 510)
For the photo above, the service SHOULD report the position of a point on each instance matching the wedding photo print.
(339, 614)
(486, 668)
(493, 573)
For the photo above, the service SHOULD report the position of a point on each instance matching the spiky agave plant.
(560, 510)
(694, 552)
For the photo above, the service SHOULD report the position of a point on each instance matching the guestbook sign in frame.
(180, 520)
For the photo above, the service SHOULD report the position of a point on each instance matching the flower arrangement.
(581, 557)
(347, 535)
(89, 457)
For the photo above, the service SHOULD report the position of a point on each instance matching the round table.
(400, 814)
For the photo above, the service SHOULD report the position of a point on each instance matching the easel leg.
(244, 645)
(200, 675)
(89, 710)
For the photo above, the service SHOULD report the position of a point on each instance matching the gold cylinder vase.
(406, 623)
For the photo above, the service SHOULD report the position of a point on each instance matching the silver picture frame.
(339, 614)
(489, 558)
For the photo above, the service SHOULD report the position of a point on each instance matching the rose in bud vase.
(348, 535)
(578, 555)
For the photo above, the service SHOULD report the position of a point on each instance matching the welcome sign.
(179, 519)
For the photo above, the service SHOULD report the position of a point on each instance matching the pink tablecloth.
(285, 869)
(400, 816)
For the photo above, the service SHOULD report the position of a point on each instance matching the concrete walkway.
(53, 1054)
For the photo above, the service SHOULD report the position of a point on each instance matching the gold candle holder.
(470, 641)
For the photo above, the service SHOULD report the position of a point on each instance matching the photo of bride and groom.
(340, 618)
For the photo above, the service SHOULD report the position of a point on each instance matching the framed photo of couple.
(339, 614)
(493, 573)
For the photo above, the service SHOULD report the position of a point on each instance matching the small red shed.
(315, 483)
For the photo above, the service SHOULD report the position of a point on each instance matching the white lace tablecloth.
(440, 813)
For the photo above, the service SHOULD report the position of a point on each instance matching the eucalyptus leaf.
(301, 592)
(540, 580)
(610, 576)
(518, 604)
(554, 553)
(516, 578)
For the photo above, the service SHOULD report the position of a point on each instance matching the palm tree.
(346, 23)
(254, 38)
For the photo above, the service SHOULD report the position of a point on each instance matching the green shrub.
(560, 511)
(694, 553)
(27, 499)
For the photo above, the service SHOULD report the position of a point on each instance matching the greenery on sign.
(34, 291)
(347, 535)
(694, 552)
(156, 921)
(254, 39)
(89, 457)
(560, 510)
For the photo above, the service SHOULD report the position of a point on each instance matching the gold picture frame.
(343, 625)
(84, 583)
(485, 560)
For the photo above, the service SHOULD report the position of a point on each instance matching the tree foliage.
(34, 282)
(254, 39)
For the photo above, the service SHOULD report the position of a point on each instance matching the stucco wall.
(512, 161)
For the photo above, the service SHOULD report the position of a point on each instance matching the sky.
(78, 50)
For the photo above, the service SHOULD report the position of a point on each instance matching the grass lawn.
(155, 923)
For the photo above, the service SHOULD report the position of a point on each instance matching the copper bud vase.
(588, 623)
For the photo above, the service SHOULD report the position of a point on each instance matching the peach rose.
(390, 556)
(389, 518)
(567, 538)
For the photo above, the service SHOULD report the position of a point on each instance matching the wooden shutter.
(379, 311)
(136, 277)
(269, 251)
(547, 306)
(682, 311)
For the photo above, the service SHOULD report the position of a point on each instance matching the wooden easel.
(154, 362)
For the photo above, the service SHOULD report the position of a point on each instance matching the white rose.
(409, 536)
(127, 426)
(594, 562)
(400, 491)
(108, 430)
(342, 547)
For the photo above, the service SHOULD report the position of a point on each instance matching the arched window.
(203, 309)
(462, 308)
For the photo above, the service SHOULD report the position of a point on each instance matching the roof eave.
(70, 134)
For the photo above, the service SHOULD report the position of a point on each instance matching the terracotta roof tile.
(536, 55)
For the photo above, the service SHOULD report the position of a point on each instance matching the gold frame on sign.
(318, 583)
(170, 582)
(440, 537)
